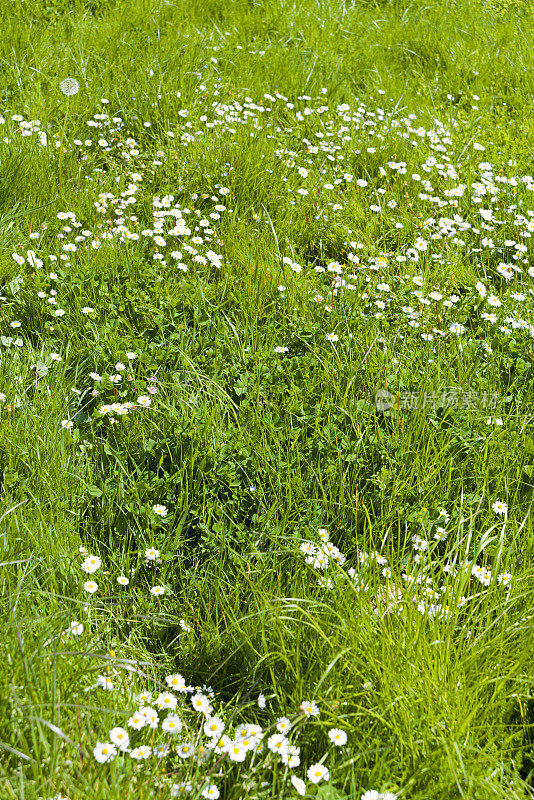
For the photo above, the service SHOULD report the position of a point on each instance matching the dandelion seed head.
(69, 86)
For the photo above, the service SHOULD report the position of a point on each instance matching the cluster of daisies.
(180, 724)
(112, 382)
(427, 299)
(114, 410)
(92, 563)
(177, 237)
(487, 224)
(428, 580)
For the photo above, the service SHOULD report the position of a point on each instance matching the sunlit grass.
(229, 374)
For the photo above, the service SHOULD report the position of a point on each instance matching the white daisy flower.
(337, 737)
(172, 724)
(104, 752)
(120, 738)
(185, 750)
(166, 700)
(317, 773)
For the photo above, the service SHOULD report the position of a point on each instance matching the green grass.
(297, 276)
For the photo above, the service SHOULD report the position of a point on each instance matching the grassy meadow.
(266, 399)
